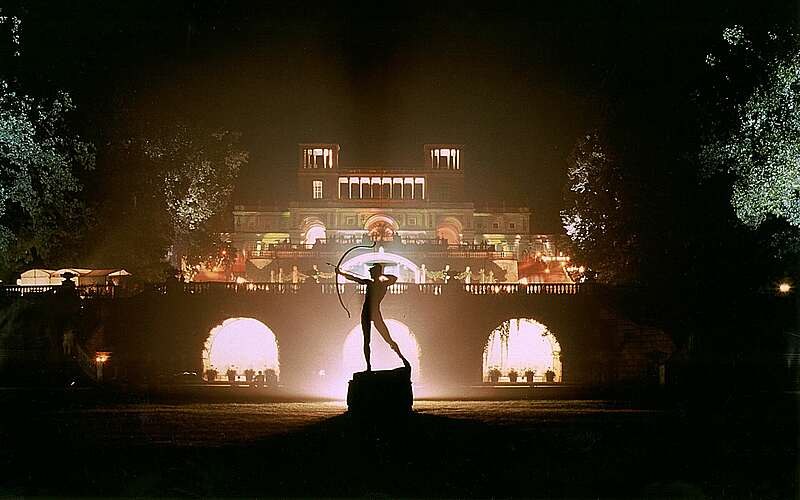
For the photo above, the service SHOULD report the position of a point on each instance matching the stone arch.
(239, 344)
(381, 227)
(450, 229)
(394, 264)
(312, 229)
(522, 344)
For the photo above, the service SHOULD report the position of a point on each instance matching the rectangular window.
(316, 190)
(386, 190)
(344, 188)
(419, 188)
(412, 221)
(366, 189)
(317, 158)
(495, 225)
(350, 221)
(397, 188)
(512, 225)
(408, 188)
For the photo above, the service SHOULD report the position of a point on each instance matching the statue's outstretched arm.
(350, 277)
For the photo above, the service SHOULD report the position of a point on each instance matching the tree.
(40, 161)
(597, 214)
(193, 171)
(753, 131)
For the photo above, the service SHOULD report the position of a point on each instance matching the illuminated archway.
(312, 229)
(449, 229)
(393, 264)
(381, 356)
(314, 233)
(240, 344)
(381, 227)
(522, 345)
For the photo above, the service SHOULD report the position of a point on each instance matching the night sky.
(517, 83)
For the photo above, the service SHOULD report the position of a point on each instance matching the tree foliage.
(752, 110)
(197, 169)
(40, 163)
(179, 182)
(598, 211)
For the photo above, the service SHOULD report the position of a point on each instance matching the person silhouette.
(371, 312)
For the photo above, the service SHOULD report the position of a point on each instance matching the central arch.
(396, 265)
(522, 345)
(450, 229)
(382, 357)
(240, 344)
(381, 227)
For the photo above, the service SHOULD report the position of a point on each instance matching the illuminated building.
(425, 227)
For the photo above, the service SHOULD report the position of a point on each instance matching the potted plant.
(270, 378)
(231, 373)
(249, 374)
(494, 375)
(550, 376)
(529, 374)
(512, 376)
(211, 375)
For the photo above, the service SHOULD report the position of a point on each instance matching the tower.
(445, 171)
(317, 168)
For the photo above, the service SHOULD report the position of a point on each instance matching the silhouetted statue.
(371, 312)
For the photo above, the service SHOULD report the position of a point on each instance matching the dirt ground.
(85, 443)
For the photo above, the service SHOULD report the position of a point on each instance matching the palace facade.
(424, 228)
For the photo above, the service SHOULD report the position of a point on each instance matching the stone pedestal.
(385, 392)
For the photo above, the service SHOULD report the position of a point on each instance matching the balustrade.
(201, 288)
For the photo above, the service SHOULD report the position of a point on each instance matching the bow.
(338, 292)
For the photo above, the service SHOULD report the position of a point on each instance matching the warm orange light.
(101, 357)
(784, 288)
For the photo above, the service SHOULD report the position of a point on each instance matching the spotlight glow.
(241, 344)
(382, 357)
(522, 345)
(784, 288)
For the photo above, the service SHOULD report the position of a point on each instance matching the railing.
(89, 291)
(84, 291)
(452, 251)
(396, 289)
(20, 290)
(430, 247)
(525, 289)
(199, 288)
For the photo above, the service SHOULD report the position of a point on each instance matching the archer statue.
(371, 312)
